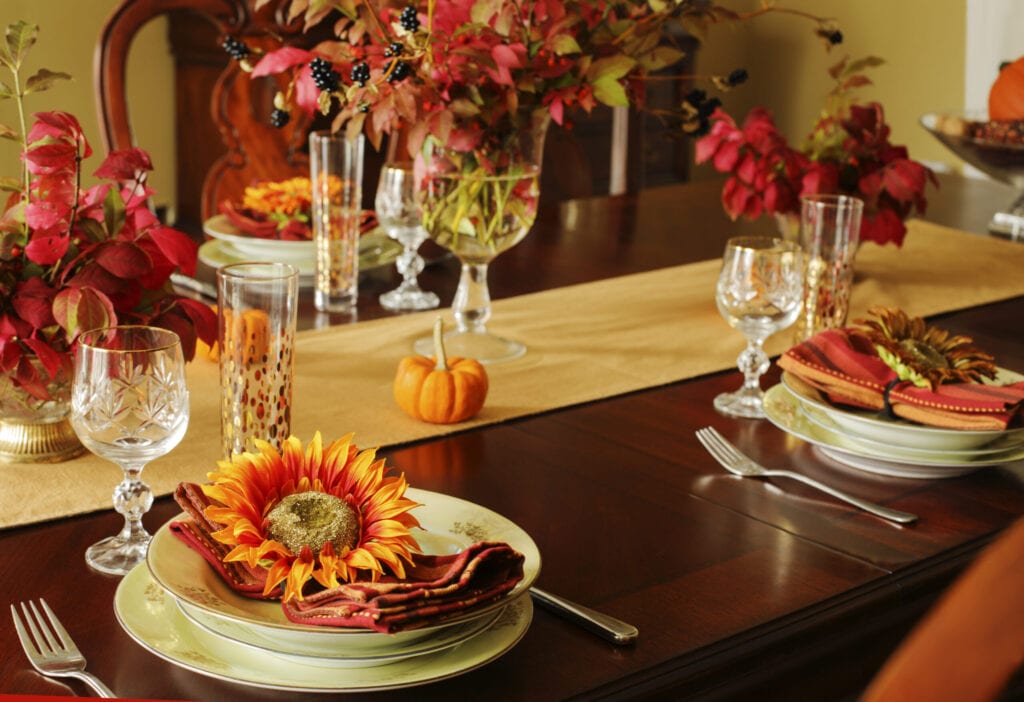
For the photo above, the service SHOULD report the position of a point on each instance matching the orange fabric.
(970, 644)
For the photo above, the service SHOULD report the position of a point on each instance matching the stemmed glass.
(129, 405)
(398, 212)
(759, 292)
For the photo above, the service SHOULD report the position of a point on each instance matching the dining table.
(740, 588)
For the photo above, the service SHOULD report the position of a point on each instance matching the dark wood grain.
(738, 586)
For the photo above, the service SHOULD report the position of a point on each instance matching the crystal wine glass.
(398, 212)
(759, 292)
(129, 405)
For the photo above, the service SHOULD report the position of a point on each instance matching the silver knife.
(607, 627)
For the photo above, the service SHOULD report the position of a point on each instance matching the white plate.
(149, 615)
(243, 636)
(220, 227)
(449, 523)
(216, 253)
(900, 432)
(785, 411)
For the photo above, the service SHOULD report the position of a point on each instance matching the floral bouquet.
(74, 258)
(848, 151)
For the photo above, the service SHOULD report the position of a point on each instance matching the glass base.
(339, 302)
(741, 404)
(115, 555)
(484, 347)
(399, 299)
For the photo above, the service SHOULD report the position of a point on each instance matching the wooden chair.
(225, 139)
(970, 645)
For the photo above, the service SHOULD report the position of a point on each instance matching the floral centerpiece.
(848, 151)
(75, 258)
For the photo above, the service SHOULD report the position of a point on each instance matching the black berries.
(398, 73)
(835, 37)
(360, 74)
(698, 123)
(235, 48)
(279, 118)
(737, 77)
(394, 49)
(324, 75)
(408, 19)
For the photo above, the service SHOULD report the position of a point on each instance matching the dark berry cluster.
(408, 19)
(700, 108)
(360, 73)
(397, 71)
(279, 118)
(736, 77)
(235, 48)
(835, 37)
(394, 49)
(324, 75)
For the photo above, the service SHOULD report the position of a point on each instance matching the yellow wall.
(67, 37)
(922, 42)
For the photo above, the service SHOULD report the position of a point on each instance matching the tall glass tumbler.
(257, 305)
(336, 172)
(829, 232)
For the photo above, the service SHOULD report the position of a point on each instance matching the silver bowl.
(997, 160)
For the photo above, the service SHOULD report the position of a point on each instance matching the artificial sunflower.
(926, 356)
(330, 515)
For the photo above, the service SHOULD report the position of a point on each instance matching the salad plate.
(221, 228)
(900, 432)
(786, 411)
(148, 615)
(449, 525)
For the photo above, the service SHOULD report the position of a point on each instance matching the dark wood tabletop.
(740, 588)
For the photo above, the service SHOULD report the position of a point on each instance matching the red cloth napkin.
(294, 230)
(847, 370)
(436, 588)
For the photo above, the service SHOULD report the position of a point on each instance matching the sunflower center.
(925, 354)
(314, 519)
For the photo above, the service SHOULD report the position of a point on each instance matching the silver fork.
(50, 649)
(735, 461)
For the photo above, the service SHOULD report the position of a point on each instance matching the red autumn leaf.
(51, 360)
(30, 380)
(177, 247)
(124, 164)
(51, 158)
(46, 249)
(81, 309)
(124, 259)
(46, 214)
(13, 327)
(33, 301)
(281, 60)
(58, 125)
(203, 318)
(93, 275)
(181, 326)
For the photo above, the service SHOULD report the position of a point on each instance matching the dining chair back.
(971, 644)
(225, 140)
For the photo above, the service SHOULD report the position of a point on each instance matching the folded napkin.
(847, 370)
(435, 588)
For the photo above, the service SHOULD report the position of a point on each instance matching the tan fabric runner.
(585, 342)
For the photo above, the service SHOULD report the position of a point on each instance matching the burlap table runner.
(585, 342)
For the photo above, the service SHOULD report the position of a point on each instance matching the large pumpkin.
(1006, 98)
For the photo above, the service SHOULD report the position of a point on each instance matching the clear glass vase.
(34, 429)
(477, 203)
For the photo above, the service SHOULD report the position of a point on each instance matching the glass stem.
(753, 362)
(472, 304)
(133, 498)
(410, 265)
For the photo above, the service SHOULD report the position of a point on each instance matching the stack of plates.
(893, 447)
(229, 245)
(176, 606)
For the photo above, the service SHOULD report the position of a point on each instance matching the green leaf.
(861, 64)
(44, 80)
(610, 68)
(113, 212)
(610, 92)
(10, 184)
(6, 91)
(661, 57)
(565, 44)
(20, 38)
(9, 133)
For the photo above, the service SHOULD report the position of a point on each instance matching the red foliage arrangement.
(848, 152)
(73, 259)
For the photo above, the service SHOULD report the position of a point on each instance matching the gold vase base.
(50, 442)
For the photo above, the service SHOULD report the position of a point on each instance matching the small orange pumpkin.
(441, 391)
(249, 333)
(1006, 98)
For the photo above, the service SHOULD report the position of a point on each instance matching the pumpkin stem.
(442, 360)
